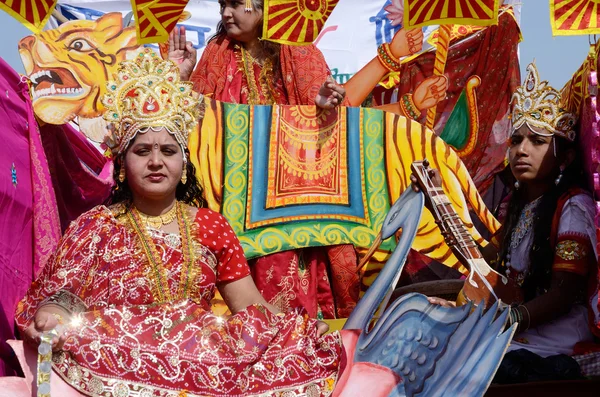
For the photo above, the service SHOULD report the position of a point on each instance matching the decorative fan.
(32, 13)
(156, 18)
(574, 17)
(295, 22)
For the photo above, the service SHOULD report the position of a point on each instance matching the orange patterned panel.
(308, 157)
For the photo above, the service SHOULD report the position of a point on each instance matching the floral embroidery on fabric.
(522, 229)
(128, 343)
(525, 223)
(571, 250)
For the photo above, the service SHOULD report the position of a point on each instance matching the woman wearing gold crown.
(548, 239)
(547, 242)
(131, 282)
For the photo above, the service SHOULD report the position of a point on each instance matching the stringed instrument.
(483, 283)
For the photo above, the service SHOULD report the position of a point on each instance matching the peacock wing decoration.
(437, 351)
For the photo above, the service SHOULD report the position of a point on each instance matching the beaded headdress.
(537, 104)
(146, 93)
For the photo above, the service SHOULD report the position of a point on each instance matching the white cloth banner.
(348, 41)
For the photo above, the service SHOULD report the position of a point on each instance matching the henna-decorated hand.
(44, 321)
(430, 92)
(407, 42)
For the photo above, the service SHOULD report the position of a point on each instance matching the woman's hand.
(182, 52)
(434, 300)
(430, 92)
(407, 42)
(330, 95)
(322, 327)
(240, 294)
(46, 319)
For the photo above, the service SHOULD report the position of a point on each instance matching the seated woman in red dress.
(131, 282)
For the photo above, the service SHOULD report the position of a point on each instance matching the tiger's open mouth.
(56, 82)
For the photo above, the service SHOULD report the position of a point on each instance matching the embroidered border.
(67, 300)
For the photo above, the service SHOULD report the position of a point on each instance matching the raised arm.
(404, 43)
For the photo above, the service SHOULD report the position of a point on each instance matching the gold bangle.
(408, 107)
(387, 59)
(58, 318)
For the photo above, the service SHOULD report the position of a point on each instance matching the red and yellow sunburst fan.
(461, 12)
(295, 22)
(156, 18)
(32, 13)
(572, 17)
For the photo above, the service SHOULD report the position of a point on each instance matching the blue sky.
(557, 58)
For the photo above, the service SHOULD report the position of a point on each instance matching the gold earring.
(122, 174)
(184, 174)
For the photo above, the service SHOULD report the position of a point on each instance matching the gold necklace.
(158, 273)
(247, 62)
(157, 222)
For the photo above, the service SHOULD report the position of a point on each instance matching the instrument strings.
(461, 234)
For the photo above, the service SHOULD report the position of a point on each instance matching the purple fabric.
(25, 191)
(589, 138)
(57, 176)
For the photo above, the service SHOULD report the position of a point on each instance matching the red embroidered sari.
(128, 341)
(322, 280)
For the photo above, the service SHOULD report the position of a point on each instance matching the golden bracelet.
(408, 107)
(58, 318)
(387, 59)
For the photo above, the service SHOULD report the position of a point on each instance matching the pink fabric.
(29, 228)
(30, 220)
(358, 379)
(26, 387)
(363, 379)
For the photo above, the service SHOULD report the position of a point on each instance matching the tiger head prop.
(69, 66)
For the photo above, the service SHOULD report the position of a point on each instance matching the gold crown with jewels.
(146, 93)
(537, 104)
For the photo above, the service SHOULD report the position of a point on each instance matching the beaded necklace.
(157, 272)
